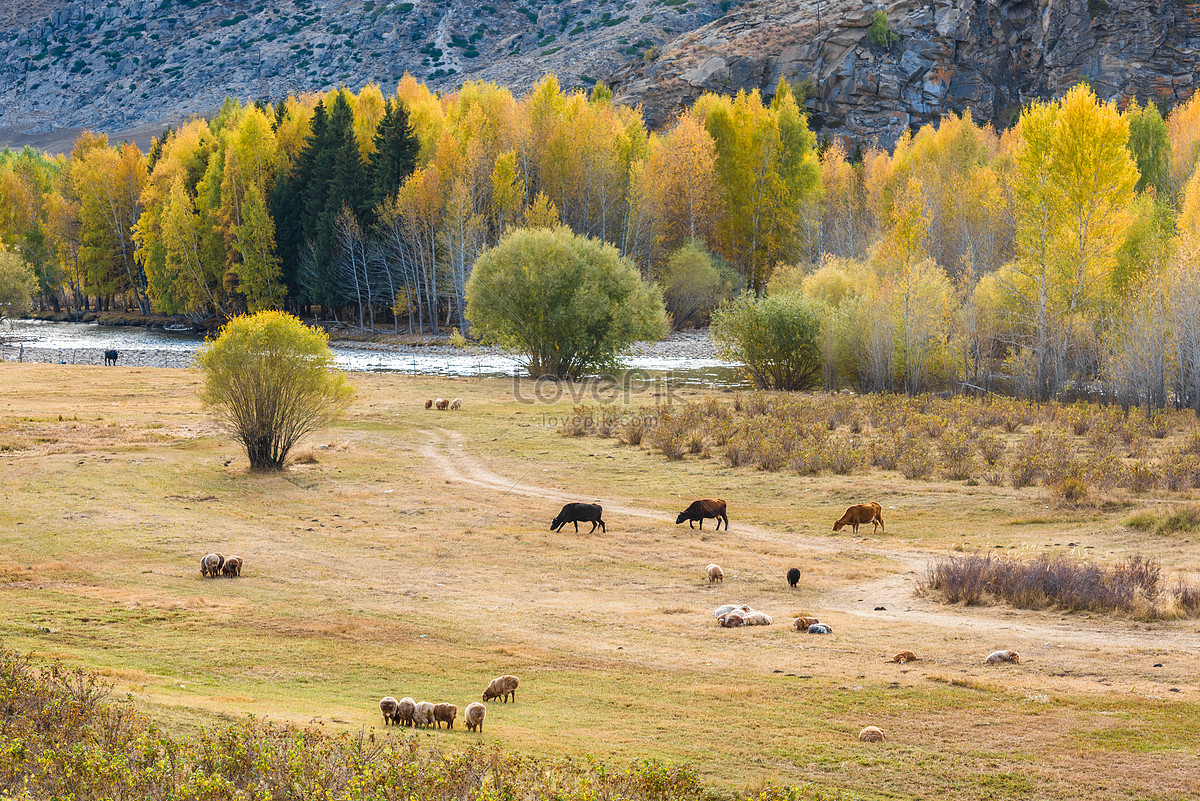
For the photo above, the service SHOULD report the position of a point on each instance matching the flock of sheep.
(442, 404)
(423, 714)
(214, 565)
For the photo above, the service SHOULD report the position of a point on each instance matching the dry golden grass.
(414, 558)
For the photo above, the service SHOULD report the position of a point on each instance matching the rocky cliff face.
(988, 56)
(115, 65)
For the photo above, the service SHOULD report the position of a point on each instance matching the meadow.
(408, 552)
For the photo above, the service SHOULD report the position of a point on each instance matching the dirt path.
(447, 450)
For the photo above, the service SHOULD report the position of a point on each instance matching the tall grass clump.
(1133, 587)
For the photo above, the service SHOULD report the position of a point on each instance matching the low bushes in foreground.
(62, 736)
(1135, 587)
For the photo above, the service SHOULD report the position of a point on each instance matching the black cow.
(793, 577)
(110, 357)
(579, 513)
(703, 510)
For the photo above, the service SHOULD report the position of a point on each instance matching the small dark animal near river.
(702, 510)
(579, 513)
(110, 357)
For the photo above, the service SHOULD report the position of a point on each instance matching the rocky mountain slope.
(133, 65)
(989, 56)
(117, 65)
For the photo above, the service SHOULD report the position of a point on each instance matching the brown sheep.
(456, 404)
(871, 734)
(429, 403)
(445, 713)
(715, 573)
(423, 714)
(389, 706)
(703, 510)
(902, 657)
(1003, 657)
(474, 716)
(442, 404)
(404, 711)
(211, 565)
(862, 513)
(802, 623)
(734, 619)
(502, 687)
(232, 567)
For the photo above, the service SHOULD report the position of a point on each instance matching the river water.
(85, 343)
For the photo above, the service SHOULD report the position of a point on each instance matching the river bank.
(688, 357)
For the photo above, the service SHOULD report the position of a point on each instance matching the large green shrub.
(569, 303)
(777, 338)
(694, 283)
(270, 379)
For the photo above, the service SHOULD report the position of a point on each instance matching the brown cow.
(860, 514)
(702, 510)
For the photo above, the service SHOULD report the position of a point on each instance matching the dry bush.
(991, 448)
(885, 451)
(1069, 490)
(633, 431)
(956, 462)
(1133, 587)
(916, 461)
(305, 454)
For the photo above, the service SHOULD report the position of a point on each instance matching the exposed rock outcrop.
(988, 56)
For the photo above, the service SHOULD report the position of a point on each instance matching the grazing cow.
(702, 510)
(580, 513)
(110, 357)
(793, 577)
(860, 514)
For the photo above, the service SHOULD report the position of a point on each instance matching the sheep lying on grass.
(802, 623)
(736, 616)
(1003, 657)
(474, 715)
(502, 687)
(871, 734)
(820, 628)
(902, 657)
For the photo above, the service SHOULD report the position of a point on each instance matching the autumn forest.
(1058, 256)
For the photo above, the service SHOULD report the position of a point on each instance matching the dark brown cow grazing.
(580, 513)
(702, 510)
(863, 513)
(110, 357)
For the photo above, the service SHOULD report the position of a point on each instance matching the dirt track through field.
(447, 450)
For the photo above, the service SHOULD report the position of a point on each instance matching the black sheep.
(793, 577)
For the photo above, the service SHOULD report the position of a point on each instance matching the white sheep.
(456, 404)
(1003, 657)
(715, 573)
(474, 716)
(502, 687)
(404, 711)
(423, 714)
